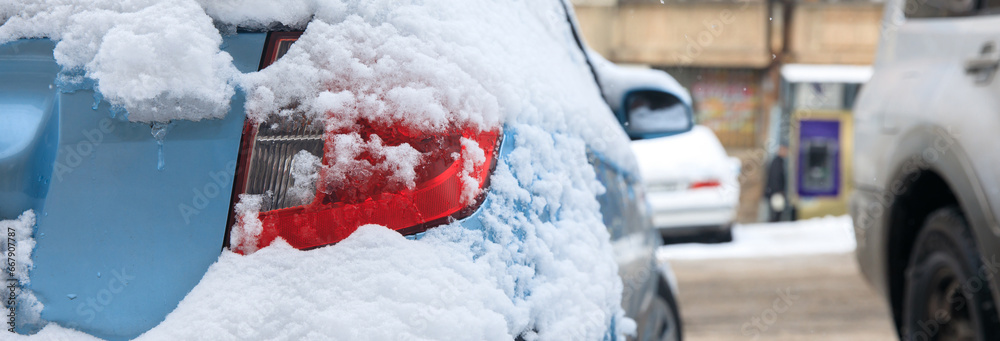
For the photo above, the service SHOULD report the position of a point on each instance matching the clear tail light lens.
(438, 193)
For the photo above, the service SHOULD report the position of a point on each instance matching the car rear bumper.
(698, 234)
(694, 217)
(695, 207)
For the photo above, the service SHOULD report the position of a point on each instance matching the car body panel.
(116, 248)
(870, 207)
(29, 130)
(634, 245)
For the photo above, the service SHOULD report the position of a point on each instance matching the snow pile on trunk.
(535, 260)
(243, 236)
(305, 174)
(374, 285)
(349, 71)
(473, 157)
(349, 173)
(346, 70)
(18, 246)
(159, 60)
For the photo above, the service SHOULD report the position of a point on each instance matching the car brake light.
(704, 184)
(449, 164)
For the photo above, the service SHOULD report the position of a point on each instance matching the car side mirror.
(655, 113)
(648, 103)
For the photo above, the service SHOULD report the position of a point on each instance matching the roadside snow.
(806, 237)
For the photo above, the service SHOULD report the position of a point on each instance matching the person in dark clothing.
(775, 196)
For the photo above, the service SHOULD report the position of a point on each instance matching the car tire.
(725, 235)
(945, 296)
(671, 328)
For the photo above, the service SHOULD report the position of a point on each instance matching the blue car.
(127, 216)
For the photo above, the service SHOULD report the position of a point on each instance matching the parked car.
(692, 184)
(126, 216)
(927, 196)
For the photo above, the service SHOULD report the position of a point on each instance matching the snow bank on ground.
(541, 262)
(18, 244)
(813, 236)
(159, 60)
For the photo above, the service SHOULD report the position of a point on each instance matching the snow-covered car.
(927, 181)
(244, 169)
(692, 185)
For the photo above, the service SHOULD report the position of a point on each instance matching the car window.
(990, 6)
(941, 8)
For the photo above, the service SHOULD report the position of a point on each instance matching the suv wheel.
(945, 298)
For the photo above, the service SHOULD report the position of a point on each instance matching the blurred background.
(771, 79)
(755, 69)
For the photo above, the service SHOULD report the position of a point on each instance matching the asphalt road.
(804, 297)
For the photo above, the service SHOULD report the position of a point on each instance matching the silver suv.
(927, 169)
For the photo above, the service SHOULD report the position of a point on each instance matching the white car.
(692, 185)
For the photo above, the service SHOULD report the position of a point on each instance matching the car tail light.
(705, 184)
(438, 193)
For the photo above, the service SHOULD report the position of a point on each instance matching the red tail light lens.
(705, 184)
(356, 190)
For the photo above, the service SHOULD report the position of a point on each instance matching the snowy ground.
(807, 237)
(729, 291)
(820, 298)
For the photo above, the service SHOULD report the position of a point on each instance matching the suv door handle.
(983, 67)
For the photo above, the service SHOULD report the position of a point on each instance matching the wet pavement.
(794, 297)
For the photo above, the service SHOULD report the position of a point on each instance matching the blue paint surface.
(102, 204)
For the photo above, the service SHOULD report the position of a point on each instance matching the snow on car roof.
(692, 156)
(635, 77)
